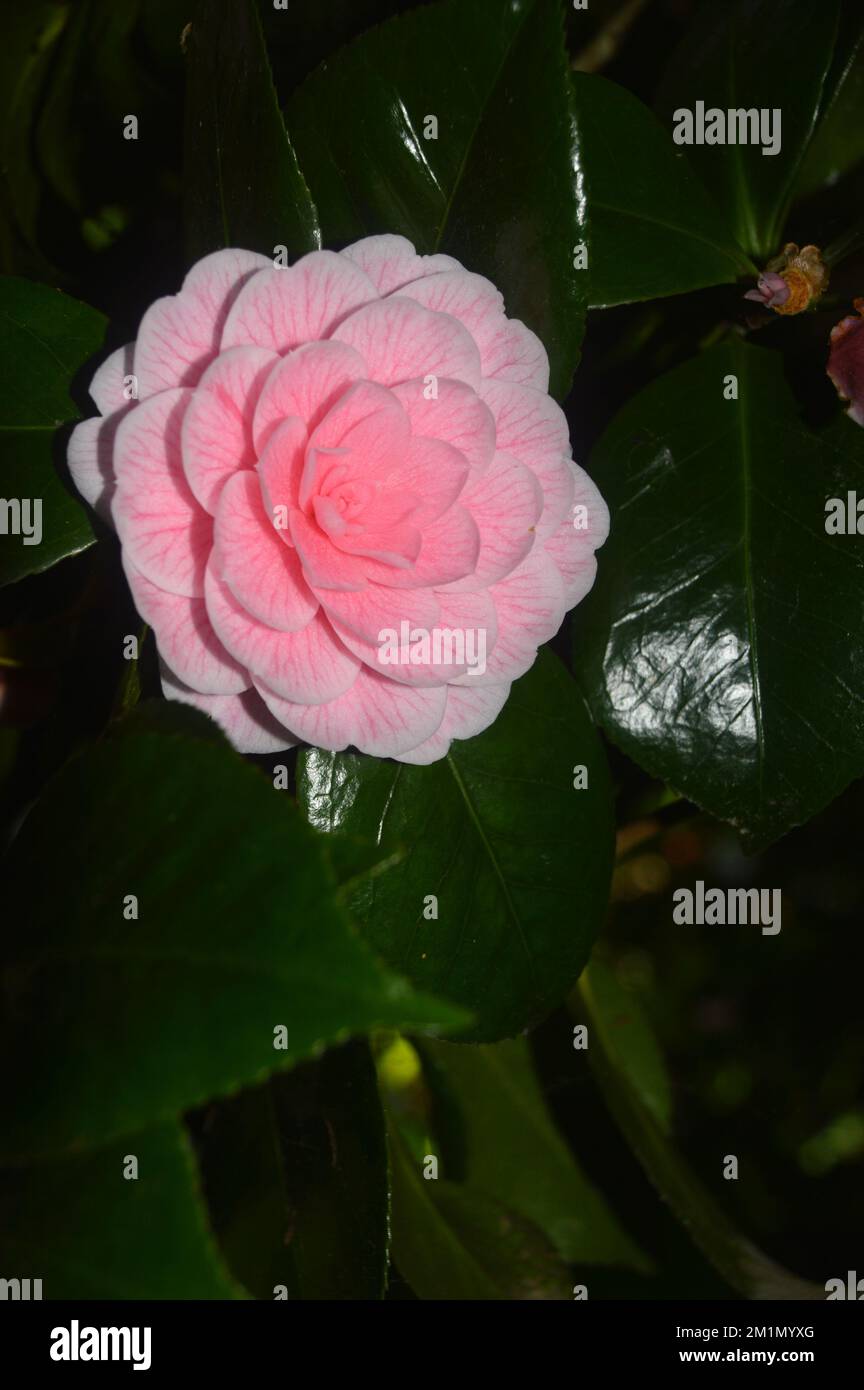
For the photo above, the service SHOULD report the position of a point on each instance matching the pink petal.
(470, 709)
(391, 261)
(576, 564)
(530, 605)
(448, 551)
(90, 455)
(217, 429)
(179, 336)
(516, 354)
(369, 425)
(162, 529)
(532, 428)
(264, 574)
(457, 417)
(846, 361)
(466, 629)
(325, 567)
(309, 666)
(528, 424)
(571, 547)
(508, 350)
(108, 385)
(306, 384)
(367, 613)
(280, 468)
(282, 308)
(376, 715)
(399, 339)
(244, 719)
(185, 638)
(433, 470)
(506, 502)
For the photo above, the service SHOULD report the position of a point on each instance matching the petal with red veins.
(399, 339)
(457, 416)
(506, 502)
(108, 386)
(532, 428)
(467, 624)
(572, 546)
(90, 455)
(470, 298)
(324, 566)
(163, 530)
(308, 666)
(378, 609)
(185, 638)
(216, 437)
(264, 574)
(528, 424)
(180, 335)
(508, 350)
(470, 710)
(516, 354)
(576, 564)
(367, 430)
(282, 308)
(391, 261)
(280, 468)
(433, 471)
(376, 715)
(306, 383)
(244, 719)
(448, 551)
(530, 604)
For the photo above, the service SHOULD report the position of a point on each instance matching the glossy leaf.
(295, 1174)
(45, 338)
(500, 187)
(89, 1229)
(654, 230)
(838, 142)
(761, 56)
(518, 860)
(515, 1155)
(721, 644)
(456, 1242)
(244, 186)
(114, 1021)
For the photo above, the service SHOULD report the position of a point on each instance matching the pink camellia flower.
(345, 500)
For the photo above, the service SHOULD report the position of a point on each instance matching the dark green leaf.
(654, 230)
(838, 143)
(639, 1104)
(111, 1024)
(627, 1037)
(45, 337)
(515, 1154)
(721, 644)
(455, 1242)
(30, 36)
(518, 859)
(243, 184)
(501, 186)
(295, 1174)
(88, 1231)
(753, 55)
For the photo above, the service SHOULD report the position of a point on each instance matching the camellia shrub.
(431, 662)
